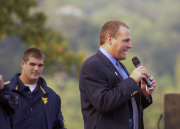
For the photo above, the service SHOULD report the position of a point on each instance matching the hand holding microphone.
(140, 72)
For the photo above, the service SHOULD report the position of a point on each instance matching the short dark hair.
(110, 28)
(33, 52)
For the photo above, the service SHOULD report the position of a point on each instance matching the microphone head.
(136, 61)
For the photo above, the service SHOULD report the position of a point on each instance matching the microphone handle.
(148, 82)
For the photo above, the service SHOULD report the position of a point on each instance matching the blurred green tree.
(16, 20)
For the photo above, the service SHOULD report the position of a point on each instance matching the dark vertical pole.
(140, 107)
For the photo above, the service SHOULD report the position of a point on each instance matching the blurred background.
(67, 31)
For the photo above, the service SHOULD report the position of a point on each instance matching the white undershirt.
(31, 87)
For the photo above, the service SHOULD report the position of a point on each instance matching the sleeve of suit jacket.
(96, 85)
(146, 102)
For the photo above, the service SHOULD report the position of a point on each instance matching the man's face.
(32, 69)
(121, 44)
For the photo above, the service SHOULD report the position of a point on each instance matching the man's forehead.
(124, 32)
(35, 60)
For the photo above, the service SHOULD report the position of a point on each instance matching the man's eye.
(40, 65)
(32, 64)
(126, 40)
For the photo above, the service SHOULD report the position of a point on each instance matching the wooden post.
(172, 111)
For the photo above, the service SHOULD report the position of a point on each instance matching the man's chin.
(122, 58)
(35, 78)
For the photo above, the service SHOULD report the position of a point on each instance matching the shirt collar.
(109, 56)
(22, 86)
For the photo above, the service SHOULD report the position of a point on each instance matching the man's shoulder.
(13, 81)
(52, 95)
(45, 87)
(94, 59)
(9, 84)
(51, 91)
(6, 83)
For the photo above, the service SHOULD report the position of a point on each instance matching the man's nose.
(36, 67)
(129, 45)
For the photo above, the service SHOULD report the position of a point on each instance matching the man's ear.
(109, 39)
(22, 63)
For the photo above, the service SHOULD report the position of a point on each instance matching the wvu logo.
(45, 100)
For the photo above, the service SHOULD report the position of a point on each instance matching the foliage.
(155, 30)
(153, 35)
(16, 20)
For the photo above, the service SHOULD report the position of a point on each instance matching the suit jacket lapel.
(108, 63)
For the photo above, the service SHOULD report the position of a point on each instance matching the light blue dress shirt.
(113, 61)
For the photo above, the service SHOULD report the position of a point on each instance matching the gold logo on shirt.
(45, 100)
(17, 97)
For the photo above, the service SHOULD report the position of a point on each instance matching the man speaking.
(109, 94)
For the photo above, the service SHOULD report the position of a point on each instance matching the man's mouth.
(35, 73)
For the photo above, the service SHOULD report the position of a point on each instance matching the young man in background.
(39, 106)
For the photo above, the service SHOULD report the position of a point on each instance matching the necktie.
(133, 101)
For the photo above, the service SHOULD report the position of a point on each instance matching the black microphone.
(137, 63)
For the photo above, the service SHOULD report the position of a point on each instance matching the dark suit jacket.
(105, 96)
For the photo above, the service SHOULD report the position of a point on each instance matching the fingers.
(144, 73)
(139, 73)
(149, 90)
(1, 78)
(1, 82)
(151, 78)
(152, 81)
